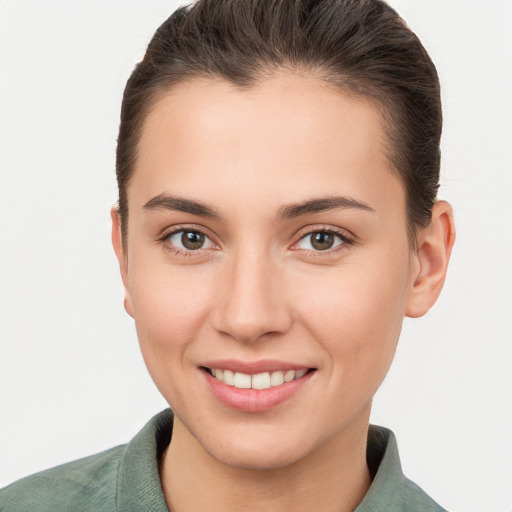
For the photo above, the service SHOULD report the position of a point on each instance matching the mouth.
(257, 390)
(260, 381)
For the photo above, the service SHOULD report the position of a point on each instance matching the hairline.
(382, 103)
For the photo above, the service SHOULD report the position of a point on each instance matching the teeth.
(228, 378)
(242, 380)
(263, 380)
(289, 376)
(277, 378)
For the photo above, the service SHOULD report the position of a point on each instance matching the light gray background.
(72, 379)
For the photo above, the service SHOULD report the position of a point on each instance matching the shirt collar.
(138, 480)
(386, 490)
(139, 488)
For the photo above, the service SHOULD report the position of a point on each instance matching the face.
(267, 265)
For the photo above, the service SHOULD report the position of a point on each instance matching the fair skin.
(263, 289)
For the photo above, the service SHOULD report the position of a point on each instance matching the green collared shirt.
(126, 479)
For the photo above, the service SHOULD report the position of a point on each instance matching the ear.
(122, 256)
(432, 254)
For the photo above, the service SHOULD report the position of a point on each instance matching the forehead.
(289, 135)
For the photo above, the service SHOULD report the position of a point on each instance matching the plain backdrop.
(72, 381)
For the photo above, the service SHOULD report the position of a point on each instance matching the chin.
(258, 458)
(257, 452)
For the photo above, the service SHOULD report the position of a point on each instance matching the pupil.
(192, 240)
(322, 241)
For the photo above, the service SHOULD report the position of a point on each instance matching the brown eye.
(320, 241)
(192, 240)
(189, 240)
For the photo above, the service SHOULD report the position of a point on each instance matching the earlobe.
(122, 257)
(434, 246)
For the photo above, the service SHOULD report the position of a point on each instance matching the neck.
(333, 478)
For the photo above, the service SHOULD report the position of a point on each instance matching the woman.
(278, 167)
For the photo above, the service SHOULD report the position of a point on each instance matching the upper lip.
(254, 367)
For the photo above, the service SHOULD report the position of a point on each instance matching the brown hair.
(361, 46)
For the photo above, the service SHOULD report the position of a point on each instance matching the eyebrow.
(321, 204)
(290, 211)
(167, 202)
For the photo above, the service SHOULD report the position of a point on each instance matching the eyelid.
(166, 234)
(346, 237)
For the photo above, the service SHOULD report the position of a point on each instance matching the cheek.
(356, 315)
(171, 304)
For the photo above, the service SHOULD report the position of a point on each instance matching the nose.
(252, 300)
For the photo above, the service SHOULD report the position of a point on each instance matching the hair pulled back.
(361, 46)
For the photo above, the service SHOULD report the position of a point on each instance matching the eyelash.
(346, 241)
(165, 241)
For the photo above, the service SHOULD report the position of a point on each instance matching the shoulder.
(87, 484)
(414, 494)
(124, 478)
(391, 490)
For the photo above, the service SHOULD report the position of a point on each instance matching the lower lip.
(254, 400)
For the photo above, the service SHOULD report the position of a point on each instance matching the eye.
(321, 241)
(189, 240)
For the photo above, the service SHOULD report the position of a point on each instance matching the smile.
(264, 380)
(256, 386)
